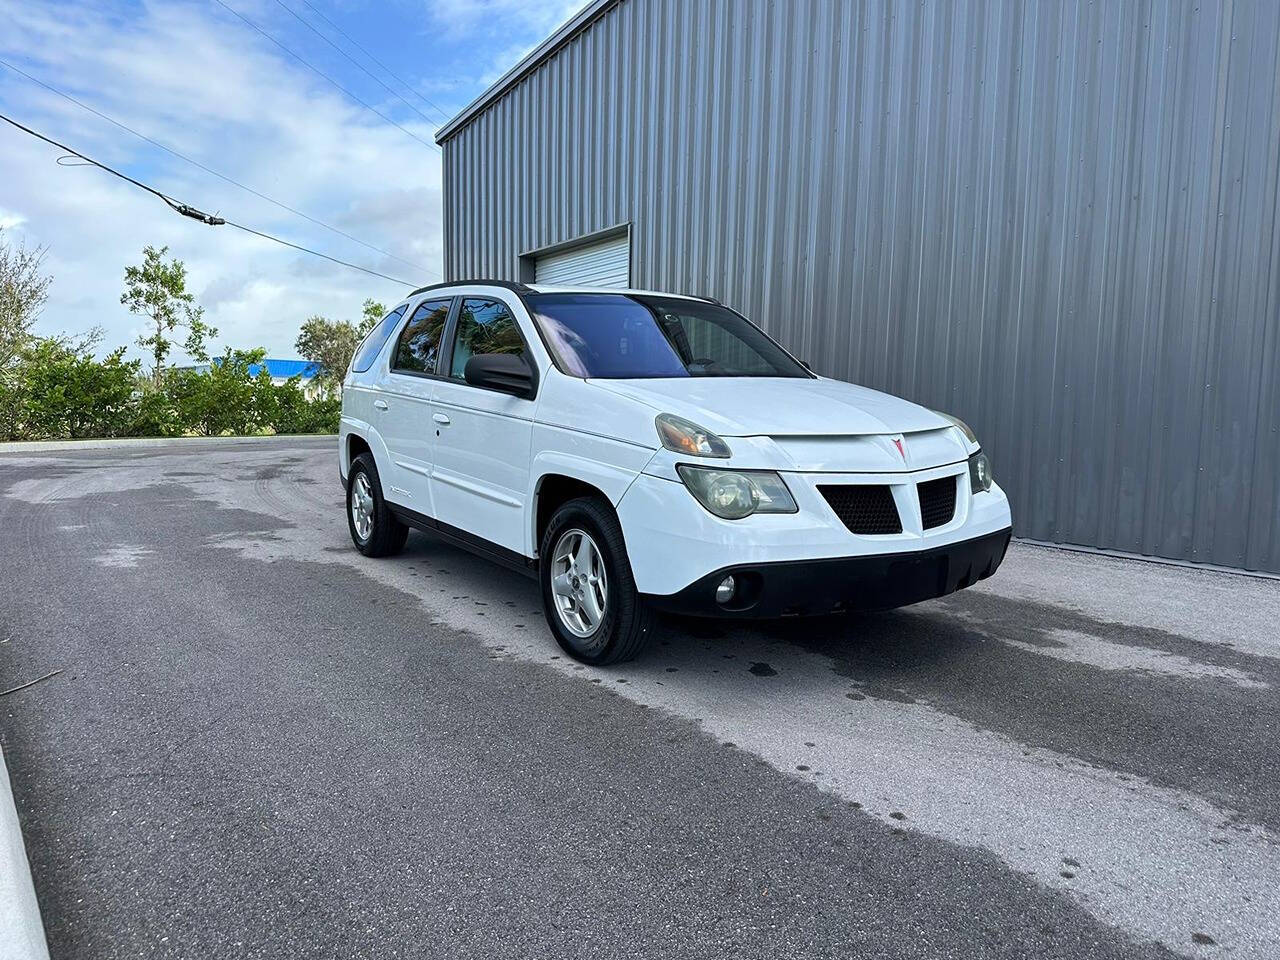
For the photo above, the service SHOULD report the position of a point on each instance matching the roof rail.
(518, 288)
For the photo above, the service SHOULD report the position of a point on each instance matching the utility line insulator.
(189, 211)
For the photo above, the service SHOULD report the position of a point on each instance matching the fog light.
(724, 592)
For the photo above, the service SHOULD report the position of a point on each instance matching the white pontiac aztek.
(644, 451)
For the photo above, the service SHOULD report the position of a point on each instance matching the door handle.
(379, 404)
(441, 418)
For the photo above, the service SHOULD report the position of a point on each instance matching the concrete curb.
(21, 932)
(37, 446)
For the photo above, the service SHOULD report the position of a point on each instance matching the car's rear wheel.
(588, 592)
(375, 530)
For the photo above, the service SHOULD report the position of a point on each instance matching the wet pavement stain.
(948, 655)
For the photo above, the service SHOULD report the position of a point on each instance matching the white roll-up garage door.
(603, 264)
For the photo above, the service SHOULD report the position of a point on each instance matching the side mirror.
(504, 372)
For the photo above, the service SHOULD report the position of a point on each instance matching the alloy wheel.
(578, 582)
(362, 506)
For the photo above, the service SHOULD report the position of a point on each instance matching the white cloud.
(209, 87)
(498, 21)
(511, 17)
(189, 74)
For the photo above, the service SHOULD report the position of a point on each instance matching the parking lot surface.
(263, 744)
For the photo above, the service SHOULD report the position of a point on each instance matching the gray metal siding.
(1055, 220)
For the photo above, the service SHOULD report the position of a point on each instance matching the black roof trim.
(518, 288)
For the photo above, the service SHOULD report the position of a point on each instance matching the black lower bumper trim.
(815, 587)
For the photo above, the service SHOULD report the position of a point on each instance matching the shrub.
(154, 414)
(294, 412)
(223, 398)
(58, 392)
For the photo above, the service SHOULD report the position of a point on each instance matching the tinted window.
(484, 326)
(419, 343)
(619, 336)
(717, 343)
(373, 341)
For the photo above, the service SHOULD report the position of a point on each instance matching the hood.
(778, 406)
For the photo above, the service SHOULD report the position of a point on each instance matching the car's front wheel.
(375, 530)
(588, 592)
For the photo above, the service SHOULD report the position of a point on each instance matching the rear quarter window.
(371, 345)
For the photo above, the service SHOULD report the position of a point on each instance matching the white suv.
(643, 451)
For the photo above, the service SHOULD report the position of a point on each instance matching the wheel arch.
(552, 491)
(559, 477)
(356, 445)
(356, 437)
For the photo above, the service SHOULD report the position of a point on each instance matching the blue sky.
(192, 76)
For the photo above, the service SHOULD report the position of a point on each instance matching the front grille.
(937, 501)
(864, 508)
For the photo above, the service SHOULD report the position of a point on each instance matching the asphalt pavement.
(263, 744)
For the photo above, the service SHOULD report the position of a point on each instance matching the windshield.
(616, 336)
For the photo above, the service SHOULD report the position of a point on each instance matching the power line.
(187, 210)
(394, 76)
(316, 70)
(293, 13)
(208, 170)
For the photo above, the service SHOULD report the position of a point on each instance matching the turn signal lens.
(979, 473)
(680, 435)
(734, 494)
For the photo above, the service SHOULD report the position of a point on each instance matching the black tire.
(627, 621)
(388, 534)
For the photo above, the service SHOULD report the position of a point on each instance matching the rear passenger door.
(405, 416)
(481, 470)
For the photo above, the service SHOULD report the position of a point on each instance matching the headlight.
(682, 436)
(964, 427)
(979, 473)
(734, 494)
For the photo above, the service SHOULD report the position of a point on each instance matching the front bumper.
(836, 584)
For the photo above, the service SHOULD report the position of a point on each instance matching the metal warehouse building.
(1056, 220)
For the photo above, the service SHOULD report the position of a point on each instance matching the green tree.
(330, 344)
(371, 311)
(157, 290)
(24, 289)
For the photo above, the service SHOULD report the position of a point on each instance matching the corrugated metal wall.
(1057, 220)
